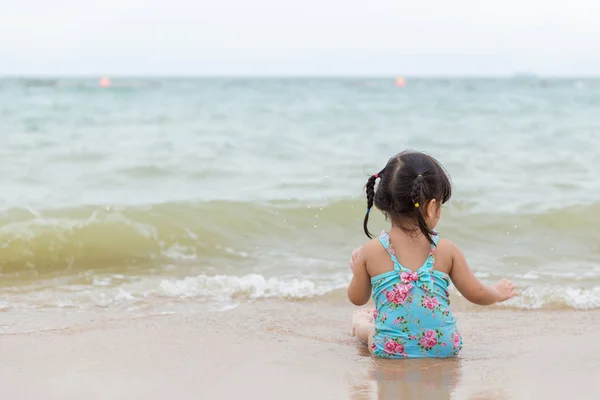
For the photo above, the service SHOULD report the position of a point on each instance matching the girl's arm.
(359, 290)
(472, 288)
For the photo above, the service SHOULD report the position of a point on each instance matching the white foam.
(252, 286)
(530, 276)
(179, 252)
(223, 291)
(102, 281)
(552, 296)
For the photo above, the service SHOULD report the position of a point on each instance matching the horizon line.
(522, 75)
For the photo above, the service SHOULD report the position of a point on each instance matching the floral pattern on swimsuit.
(413, 317)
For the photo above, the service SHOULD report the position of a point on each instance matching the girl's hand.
(354, 253)
(506, 290)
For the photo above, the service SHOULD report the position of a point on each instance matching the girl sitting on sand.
(408, 268)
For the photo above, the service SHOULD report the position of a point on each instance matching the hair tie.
(417, 205)
(376, 176)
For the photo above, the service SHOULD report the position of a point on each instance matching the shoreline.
(298, 350)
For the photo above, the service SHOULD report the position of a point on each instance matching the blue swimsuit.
(413, 317)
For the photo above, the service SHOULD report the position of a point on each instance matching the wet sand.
(298, 350)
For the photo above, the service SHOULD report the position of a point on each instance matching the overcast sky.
(299, 37)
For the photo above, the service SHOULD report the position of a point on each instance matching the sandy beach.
(297, 350)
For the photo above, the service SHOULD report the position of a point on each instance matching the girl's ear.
(432, 208)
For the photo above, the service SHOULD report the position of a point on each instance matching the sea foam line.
(253, 286)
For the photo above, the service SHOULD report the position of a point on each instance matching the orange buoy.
(104, 82)
(400, 82)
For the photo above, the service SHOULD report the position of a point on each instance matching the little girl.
(408, 268)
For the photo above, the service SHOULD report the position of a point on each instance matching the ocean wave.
(222, 291)
(252, 286)
(114, 291)
(40, 242)
(556, 297)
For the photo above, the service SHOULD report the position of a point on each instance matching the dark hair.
(406, 182)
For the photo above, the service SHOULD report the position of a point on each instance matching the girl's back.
(413, 317)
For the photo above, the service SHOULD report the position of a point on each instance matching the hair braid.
(418, 199)
(370, 191)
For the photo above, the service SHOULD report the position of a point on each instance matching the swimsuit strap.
(431, 259)
(384, 239)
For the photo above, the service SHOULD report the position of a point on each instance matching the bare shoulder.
(376, 258)
(370, 248)
(366, 251)
(443, 255)
(445, 245)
